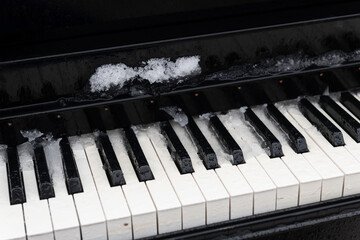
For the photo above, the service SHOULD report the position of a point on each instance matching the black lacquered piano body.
(47, 62)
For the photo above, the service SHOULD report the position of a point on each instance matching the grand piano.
(180, 120)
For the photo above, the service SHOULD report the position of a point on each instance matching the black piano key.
(296, 139)
(45, 186)
(351, 103)
(137, 156)
(176, 149)
(228, 142)
(205, 151)
(15, 179)
(324, 125)
(110, 161)
(270, 140)
(345, 120)
(72, 178)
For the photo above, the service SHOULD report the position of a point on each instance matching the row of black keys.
(178, 152)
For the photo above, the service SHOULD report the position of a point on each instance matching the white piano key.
(339, 155)
(112, 199)
(36, 212)
(262, 185)
(287, 185)
(11, 217)
(332, 176)
(241, 194)
(166, 202)
(216, 196)
(62, 208)
(190, 196)
(88, 206)
(141, 206)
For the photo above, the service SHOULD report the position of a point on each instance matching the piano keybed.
(160, 178)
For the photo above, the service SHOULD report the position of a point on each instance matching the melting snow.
(177, 114)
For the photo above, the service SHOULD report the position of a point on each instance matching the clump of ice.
(206, 116)
(31, 135)
(153, 70)
(243, 109)
(177, 114)
(111, 75)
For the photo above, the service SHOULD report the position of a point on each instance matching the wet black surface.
(272, 143)
(296, 139)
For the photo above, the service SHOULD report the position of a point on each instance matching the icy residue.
(326, 91)
(222, 156)
(153, 70)
(3, 159)
(54, 162)
(285, 63)
(330, 58)
(31, 135)
(25, 151)
(272, 125)
(177, 114)
(135, 129)
(233, 120)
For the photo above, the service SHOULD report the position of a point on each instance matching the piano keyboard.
(147, 180)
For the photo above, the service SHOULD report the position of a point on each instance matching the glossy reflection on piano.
(195, 120)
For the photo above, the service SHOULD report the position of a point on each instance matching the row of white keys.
(287, 186)
(88, 206)
(62, 208)
(139, 201)
(241, 194)
(112, 199)
(313, 187)
(214, 192)
(36, 212)
(263, 187)
(11, 216)
(339, 155)
(166, 202)
(332, 177)
(309, 181)
(190, 196)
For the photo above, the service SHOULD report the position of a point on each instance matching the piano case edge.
(331, 219)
